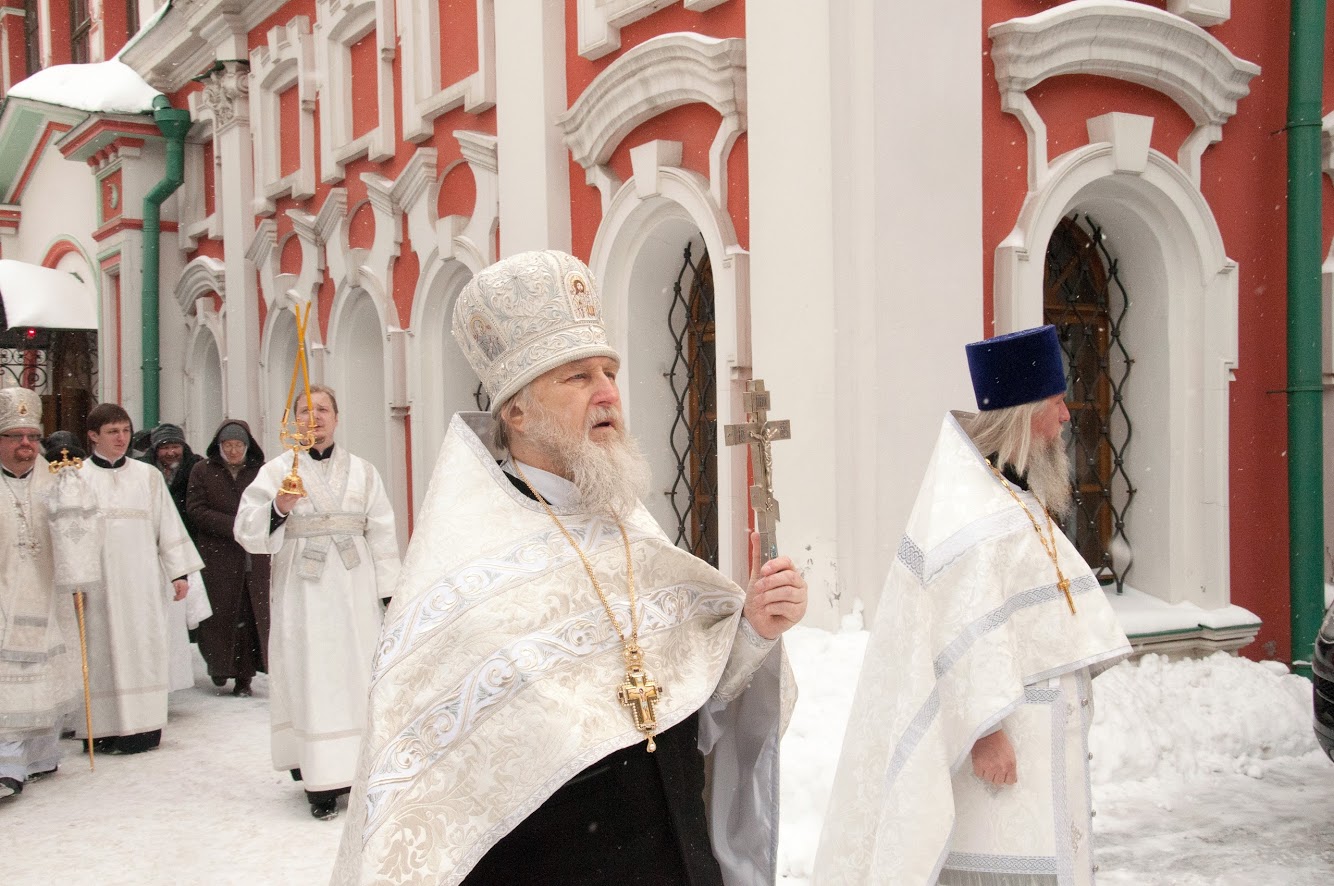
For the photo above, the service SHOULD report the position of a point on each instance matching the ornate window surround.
(1127, 41)
(684, 69)
(600, 21)
(338, 25)
(424, 97)
(1198, 296)
(286, 61)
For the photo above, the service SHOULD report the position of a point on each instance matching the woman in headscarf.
(235, 640)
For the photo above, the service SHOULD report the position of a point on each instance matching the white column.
(533, 162)
(866, 256)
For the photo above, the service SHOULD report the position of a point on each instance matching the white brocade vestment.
(334, 558)
(39, 638)
(144, 547)
(496, 679)
(971, 634)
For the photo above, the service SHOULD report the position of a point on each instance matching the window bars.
(1085, 299)
(694, 432)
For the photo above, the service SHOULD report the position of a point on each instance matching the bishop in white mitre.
(39, 641)
(146, 556)
(966, 755)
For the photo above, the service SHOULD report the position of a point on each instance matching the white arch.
(203, 276)
(1183, 334)
(277, 359)
(205, 388)
(661, 196)
(440, 381)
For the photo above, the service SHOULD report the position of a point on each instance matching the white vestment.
(334, 558)
(39, 638)
(496, 678)
(144, 547)
(972, 633)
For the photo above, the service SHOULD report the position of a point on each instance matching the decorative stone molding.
(424, 97)
(202, 277)
(286, 61)
(600, 21)
(338, 25)
(226, 95)
(1127, 41)
(1205, 13)
(264, 255)
(475, 243)
(323, 240)
(683, 69)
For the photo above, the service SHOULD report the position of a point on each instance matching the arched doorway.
(205, 397)
(359, 380)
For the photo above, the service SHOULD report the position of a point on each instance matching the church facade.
(829, 195)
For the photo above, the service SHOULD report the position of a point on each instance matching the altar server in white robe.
(966, 758)
(39, 642)
(146, 556)
(553, 669)
(335, 557)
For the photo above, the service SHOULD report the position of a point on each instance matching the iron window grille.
(1085, 299)
(694, 432)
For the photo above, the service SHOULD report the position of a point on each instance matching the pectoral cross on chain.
(638, 693)
(759, 433)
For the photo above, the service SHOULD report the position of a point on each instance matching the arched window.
(1083, 297)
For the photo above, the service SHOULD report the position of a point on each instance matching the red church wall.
(458, 40)
(689, 124)
(289, 138)
(210, 248)
(210, 178)
(363, 62)
(1243, 179)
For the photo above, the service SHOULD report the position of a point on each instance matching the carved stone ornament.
(227, 94)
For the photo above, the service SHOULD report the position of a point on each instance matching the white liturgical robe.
(334, 557)
(972, 633)
(144, 547)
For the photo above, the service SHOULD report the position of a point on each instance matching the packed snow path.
(1204, 773)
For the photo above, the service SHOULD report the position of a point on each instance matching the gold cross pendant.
(638, 693)
(1064, 585)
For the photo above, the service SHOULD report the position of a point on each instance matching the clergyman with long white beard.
(553, 671)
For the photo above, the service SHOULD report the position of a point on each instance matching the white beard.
(611, 476)
(1049, 477)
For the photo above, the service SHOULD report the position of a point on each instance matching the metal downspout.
(1305, 448)
(173, 123)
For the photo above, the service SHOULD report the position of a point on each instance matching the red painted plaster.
(361, 226)
(364, 64)
(289, 138)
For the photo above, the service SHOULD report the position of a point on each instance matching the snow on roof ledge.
(1143, 614)
(111, 87)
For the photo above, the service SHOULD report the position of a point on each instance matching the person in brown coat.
(235, 640)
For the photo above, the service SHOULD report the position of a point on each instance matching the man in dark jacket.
(169, 453)
(234, 641)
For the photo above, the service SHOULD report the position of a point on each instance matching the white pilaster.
(533, 162)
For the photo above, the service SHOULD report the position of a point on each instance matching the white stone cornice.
(1205, 13)
(657, 75)
(476, 238)
(599, 22)
(478, 148)
(202, 277)
(263, 254)
(1127, 41)
(417, 176)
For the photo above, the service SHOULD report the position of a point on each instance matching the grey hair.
(501, 435)
(1008, 432)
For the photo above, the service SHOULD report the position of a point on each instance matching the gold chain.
(1047, 541)
(638, 686)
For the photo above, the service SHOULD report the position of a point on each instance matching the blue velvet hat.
(1016, 368)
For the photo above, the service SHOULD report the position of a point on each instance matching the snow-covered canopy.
(110, 87)
(45, 298)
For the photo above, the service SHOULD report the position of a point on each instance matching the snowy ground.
(1205, 772)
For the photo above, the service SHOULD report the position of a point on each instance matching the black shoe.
(219, 681)
(242, 688)
(14, 787)
(321, 809)
(38, 776)
(295, 773)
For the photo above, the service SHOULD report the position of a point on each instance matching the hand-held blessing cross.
(758, 432)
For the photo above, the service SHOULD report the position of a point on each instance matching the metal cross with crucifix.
(759, 433)
(638, 693)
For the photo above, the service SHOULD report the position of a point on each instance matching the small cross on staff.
(758, 432)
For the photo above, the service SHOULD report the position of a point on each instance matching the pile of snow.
(1156, 718)
(110, 87)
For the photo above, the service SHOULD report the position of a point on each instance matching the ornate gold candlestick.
(292, 436)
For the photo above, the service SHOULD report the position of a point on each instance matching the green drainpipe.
(174, 123)
(1305, 449)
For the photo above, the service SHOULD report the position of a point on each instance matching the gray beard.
(611, 477)
(1049, 477)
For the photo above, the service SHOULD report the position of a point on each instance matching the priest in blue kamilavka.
(966, 754)
(553, 671)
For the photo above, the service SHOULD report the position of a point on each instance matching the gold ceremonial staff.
(295, 439)
(55, 468)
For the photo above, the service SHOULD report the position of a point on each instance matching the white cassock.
(334, 558)
(972, 633)
(144, 547)
(39, 639)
